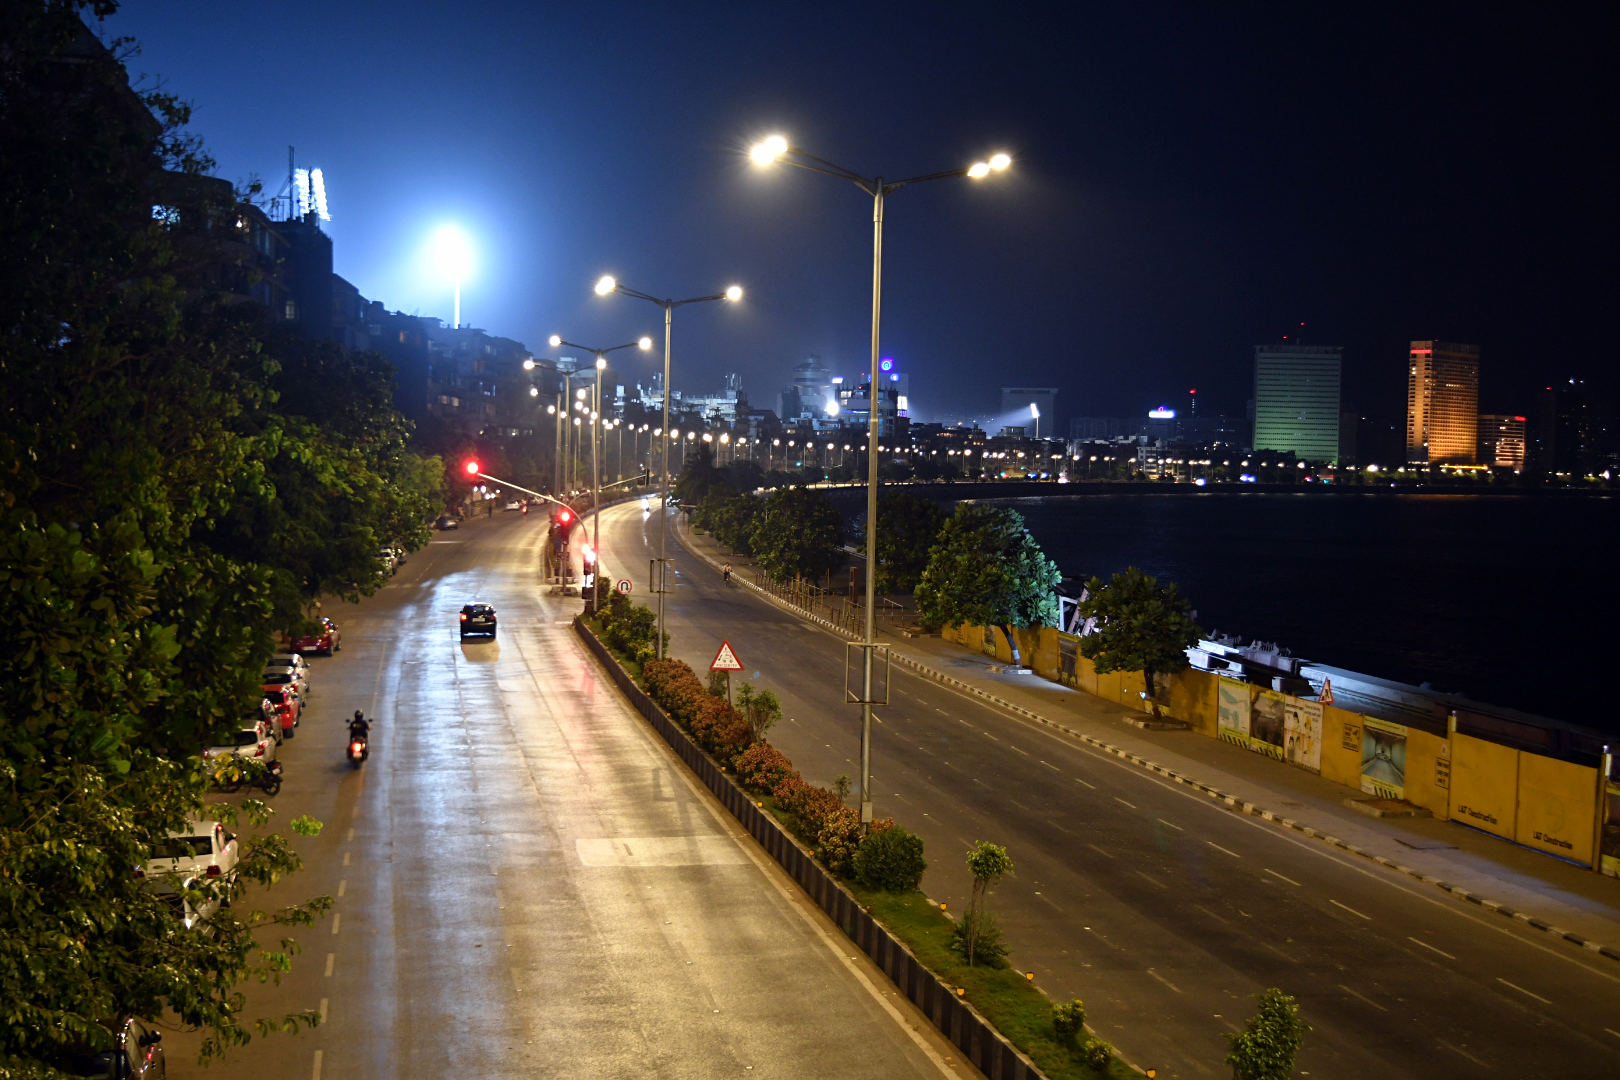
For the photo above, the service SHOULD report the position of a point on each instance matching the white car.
(204, 848)
(289, 670)
(255, 743)
(514, 505)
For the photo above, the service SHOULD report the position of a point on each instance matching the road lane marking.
(345, 858)
(330, 959)
(1464, 1053)
(1274, 874)
(351, 834)
(315, 1072)
(1361, 997)
(336, 919)
(1164, 980)
(1099, 850)
(1172, 824)
(1522, 990)
(1218, 847)
(1120, 800)
(1153, 879)
(343, 886)
(1024, 752)
(1048, 764)
(323, 1010)
(1350, 909)
(1431, 948)
(1093, 787)
(1613, 1032)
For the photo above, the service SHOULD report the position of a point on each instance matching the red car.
(327, 640)
(286, 707)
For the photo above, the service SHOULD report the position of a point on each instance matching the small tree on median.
(988, 570)
(1141, 626)
(1265, 1049)
(979, 936)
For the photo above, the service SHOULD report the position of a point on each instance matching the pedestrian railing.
(837, 608)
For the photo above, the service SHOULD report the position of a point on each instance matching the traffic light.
(564, 515)
(472, 468)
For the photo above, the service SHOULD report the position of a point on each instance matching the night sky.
(1189, 181)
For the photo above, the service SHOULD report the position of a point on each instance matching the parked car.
(257, 743)
(513, 505)
(325, 639)
(203, 847)
(286, 708)
(446, 522)
(294, 663)
(477, 619)
(390, 558)
(136, 1054)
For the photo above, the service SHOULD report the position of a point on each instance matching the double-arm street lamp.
(606, 285)
(596, 464)
(777, 149)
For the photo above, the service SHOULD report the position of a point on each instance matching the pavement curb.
(1232, 801)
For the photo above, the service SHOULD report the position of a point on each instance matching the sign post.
(726, 661)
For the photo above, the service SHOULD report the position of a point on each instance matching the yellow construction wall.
(1484, 785)
(1192, 699)
(1428, 772)
(1557, 807)
(1044, 657)
(1341, 746)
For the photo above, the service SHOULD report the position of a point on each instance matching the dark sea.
(1510, 600)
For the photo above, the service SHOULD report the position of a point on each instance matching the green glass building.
(1296, 400)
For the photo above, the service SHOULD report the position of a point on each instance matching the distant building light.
(1162, 413)
(886, 364)
(838, 380)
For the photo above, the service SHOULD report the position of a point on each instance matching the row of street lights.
(771, 151)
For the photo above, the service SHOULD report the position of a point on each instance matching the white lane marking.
(1164, 980)
(1431, 948)
(1172, 824)
(1522, 990)
(351, 835)
(343, 886)
(1368, 1000)
(1274, 874)
(323, 1010)
(315, 1072)
(1049, 765)
(336, 919)
(330, 959)
(1613, 1032)
(345, 858)
(1153, 879)
(1120, 800)
(1218, 847)
(1093, 787)
(1464, 1053)
(1099, 850)
(1024, 752)
(1350, 909)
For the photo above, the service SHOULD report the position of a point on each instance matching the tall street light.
(606, 285)
(596, 466)
(777, 149)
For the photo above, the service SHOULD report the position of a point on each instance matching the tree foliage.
(1141, 625)
(799, 534)
(979, 936)
(908, 528)
(987, 570)
(176, 484)
(1265, 1049)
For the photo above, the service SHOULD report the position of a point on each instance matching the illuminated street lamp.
(606, 285)
(643, 343)
(777, 149)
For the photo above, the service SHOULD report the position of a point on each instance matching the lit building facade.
(1296, 400)
(1442, 404)
(1501, 441)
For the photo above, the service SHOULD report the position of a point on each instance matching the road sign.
(624, 585)
(725, 659)
(1326, 696)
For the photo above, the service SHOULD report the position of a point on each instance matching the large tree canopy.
(986, 569)
(908, 527)
(1140, 625)
(176, 484)
(799, 534)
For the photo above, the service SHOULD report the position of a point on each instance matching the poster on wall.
(1268, 725)
(1232, 710)
(1383, 759)
(1302, 733)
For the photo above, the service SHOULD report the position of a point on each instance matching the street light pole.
(608, 284)
(775, 149)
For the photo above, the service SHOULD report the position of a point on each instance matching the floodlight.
(832, 408)
(1000, 161)
(734, 293)
(528, 364)
(317, 183)
(605, 284)
(301, 192)
(768, 151)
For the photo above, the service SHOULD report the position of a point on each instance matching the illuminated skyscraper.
(1501, 441)
(1442, 403)
(1296, 400)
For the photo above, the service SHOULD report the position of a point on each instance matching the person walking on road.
(727, 573)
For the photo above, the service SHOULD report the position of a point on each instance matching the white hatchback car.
(292, 664)
(256, 743)
(204, 848)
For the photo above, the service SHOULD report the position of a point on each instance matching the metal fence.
(975, 1037)
(836, 607)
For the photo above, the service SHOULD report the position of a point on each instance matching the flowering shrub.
(838, 839)
(762, 767)
(721, 730)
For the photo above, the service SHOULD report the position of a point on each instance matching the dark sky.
(1190, 181)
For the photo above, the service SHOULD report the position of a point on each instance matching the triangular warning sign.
(725, 659)
(1326, 696)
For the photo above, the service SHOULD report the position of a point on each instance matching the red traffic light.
(564, 517)
(472, 468)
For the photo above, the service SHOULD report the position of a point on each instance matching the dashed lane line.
(1431, 948)
(1362, 997)
(336, 920)
(1164, 980)
(1522, 990)
(1172, 824)
(1274, 874)
(1464, 1053)
(331, 958)
(1093, 787)
(1218, 847)
(1099, 851)
(1124, 803)
(1350, 909)
(315, 1070)
(1049, 765)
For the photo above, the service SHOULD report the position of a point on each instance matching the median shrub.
(762, 767)
(890, 858)
(1069, 1021)
(837, 840)
(721, 730)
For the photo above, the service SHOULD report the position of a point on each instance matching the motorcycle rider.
(359, 727)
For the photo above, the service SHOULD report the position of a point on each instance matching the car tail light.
(260, 751)
(463, 616)
(213, 870)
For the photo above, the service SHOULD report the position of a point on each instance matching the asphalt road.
(527, 882)
(1159, 908)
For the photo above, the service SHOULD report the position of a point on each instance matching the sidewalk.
(1556, 897)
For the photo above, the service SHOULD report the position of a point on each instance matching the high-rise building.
(1501, 441)
(1296, 400)
(1563, 437)
(1442, 403)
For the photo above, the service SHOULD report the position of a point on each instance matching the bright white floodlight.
(1000, 161)
(833, 408)
(768, 151)
(605, 285)
(645, 343)
(1034, 411)
(301, 193)
(317, 184)
(734, 293)
(556, 340)
(452, 254)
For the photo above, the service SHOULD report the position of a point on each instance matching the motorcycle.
(357, 750)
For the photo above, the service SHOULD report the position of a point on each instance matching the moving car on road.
(446, 522)
(513, 505)
(326, 639)
(477, 619)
